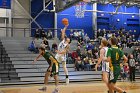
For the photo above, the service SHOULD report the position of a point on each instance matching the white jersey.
(61, 57)
(62, 45)
(105, 65)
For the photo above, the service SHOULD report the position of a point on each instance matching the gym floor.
(92, 87)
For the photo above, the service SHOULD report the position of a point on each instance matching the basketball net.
(80, 9)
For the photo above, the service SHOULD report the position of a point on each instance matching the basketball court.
(73, 88)
(23, 22)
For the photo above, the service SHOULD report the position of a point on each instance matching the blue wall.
(126, 20)
(45, 20)
(105, 20)
(5, 4)
(77, 23)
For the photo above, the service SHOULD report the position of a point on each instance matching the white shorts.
(60, 58)
(105, 66)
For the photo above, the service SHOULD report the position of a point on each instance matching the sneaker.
(55, 90)
(67, 81)
(43, 89)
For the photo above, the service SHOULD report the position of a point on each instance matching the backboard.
(64, 4)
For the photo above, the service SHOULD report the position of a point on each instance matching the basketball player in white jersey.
(105, 65)
(63, 48)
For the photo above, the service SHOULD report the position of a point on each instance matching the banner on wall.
(5, 4)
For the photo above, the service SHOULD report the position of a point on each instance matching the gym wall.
(77, 23)
(116, 21)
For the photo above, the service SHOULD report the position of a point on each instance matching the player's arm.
(125, 59)
(63, 32)
(108, 58)
(100, 59)
(37, 58)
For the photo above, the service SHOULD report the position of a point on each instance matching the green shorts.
(55, 69)
(113, 75)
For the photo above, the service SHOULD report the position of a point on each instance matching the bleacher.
(18, 68)
(21, 60)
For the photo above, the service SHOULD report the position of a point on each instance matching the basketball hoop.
(80, 9)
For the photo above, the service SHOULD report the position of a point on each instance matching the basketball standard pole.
(28, 14)
(94, 19)
(55, 19)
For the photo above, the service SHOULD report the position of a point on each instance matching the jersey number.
(117, 56)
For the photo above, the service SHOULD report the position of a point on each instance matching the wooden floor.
(73, 88)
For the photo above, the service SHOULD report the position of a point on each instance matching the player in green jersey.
(53, 68)
(114, 56)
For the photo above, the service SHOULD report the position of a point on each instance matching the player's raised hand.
(67, 25)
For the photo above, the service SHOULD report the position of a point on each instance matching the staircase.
(7, 71)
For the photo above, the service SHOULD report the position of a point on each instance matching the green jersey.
(49, 58)
(116, 54)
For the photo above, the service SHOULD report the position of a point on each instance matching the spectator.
(79, 64)
(32, 47)
(71, 35)
(122, 72)
(109, 35)
(98, 33)
(86, 38)
(89, 46)
(82, 34)
(69, 59)
(43, 35)
(136, 52)
(49, 34)
(78, 50)
(74, 55)
(80, 41)
(83, 54)
(87, 64)
(132, 64)
(89, 54)
(79, 33)
(37, 34)
(76, 34)
(54, 47)
(126, 71)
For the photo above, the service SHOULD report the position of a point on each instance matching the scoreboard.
(5, 4)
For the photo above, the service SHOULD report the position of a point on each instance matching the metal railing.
(29, 32)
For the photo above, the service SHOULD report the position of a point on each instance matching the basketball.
(65, 21)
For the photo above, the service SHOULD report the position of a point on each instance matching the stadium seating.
(22, 71)
(21, 59)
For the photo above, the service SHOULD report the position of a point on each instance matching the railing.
(29, 32)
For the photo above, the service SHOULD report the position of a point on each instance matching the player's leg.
(47, 74)
(105, 78)
(113, 81)
(114, 87)
(55, 70)
(65, 71)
